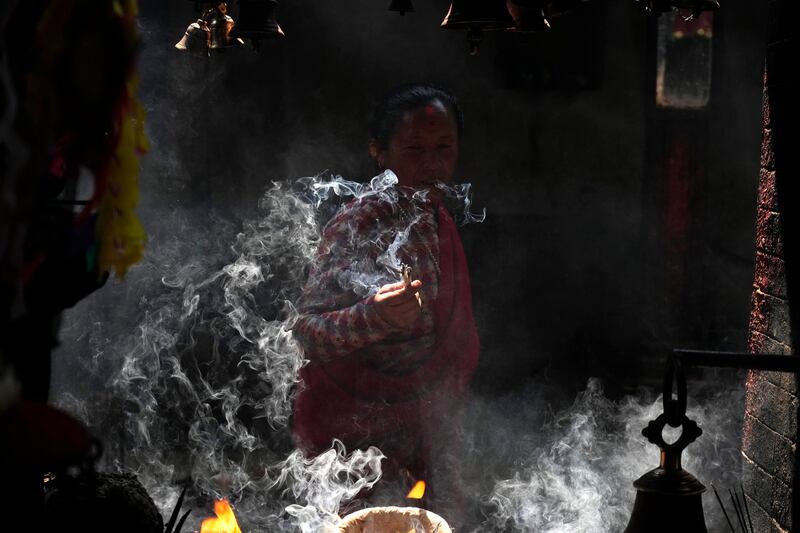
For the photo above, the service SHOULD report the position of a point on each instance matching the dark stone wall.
(769, 446)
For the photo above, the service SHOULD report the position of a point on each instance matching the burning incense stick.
(747, 508)
(723, 508)
(736, 507)
(406, 272)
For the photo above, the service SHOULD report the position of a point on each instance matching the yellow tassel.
(120, 234)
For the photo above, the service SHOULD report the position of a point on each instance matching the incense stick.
(739, 515)
(747, 508)
(723, 508)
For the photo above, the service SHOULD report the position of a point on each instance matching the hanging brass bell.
(528, 16)
(401, 6)
(212, 31)
(257, 21)
(668, 498)
(478, 16)
(221, 26)
(486, 14)
(196, 39)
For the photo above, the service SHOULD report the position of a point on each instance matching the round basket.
(393, 520)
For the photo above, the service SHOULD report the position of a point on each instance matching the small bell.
(212, 31)
(257, 21)
(528, 16)
(478, 16)
(488, 14)
(196, 39)
(668, 498)
(401, 6)
(221, 25)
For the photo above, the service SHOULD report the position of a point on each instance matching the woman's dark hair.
(394, 105)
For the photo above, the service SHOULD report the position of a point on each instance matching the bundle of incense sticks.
(741, 510)
(406, 271)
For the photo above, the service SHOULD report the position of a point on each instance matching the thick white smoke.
(188, 369)
(199, 368)
(578, 471)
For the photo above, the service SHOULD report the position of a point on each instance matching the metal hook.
(674, 409)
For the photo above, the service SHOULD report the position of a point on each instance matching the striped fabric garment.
(337, 315)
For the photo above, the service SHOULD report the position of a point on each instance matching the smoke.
(573, 472)
(186, 369)
(325, 482)
(189, 368)
(192, 365)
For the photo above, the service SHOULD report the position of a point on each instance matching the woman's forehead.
(430, 118)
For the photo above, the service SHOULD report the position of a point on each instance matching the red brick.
(760, 343)
(767, 193)
(767, 150)
(762, 522)
(758, 482)
(769, 436)
(770, 315)
(782, 505)
(771, 405)
(768, 232)
(760, 489)
(770, 274)
(771, 451)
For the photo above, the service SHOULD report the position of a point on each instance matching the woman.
(391, 368)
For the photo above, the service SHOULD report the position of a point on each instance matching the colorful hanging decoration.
(119, 232)
(111, 142)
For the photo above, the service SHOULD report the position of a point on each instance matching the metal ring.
(674, 409)
(689, 433)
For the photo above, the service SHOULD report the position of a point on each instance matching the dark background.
(615, 231)
(574, 273)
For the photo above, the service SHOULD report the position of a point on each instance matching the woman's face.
(423, 149)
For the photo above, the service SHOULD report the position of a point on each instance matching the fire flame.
(225, 522)
(417, 491)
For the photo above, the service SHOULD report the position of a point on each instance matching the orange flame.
(417, 491)
(225, 522)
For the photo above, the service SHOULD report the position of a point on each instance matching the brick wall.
(769, 445)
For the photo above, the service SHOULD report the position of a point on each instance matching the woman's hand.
(397, 304)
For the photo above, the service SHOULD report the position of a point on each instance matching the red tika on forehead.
(430, 110)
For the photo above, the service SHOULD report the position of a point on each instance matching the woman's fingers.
(391, 287)
(394, 293)
(397, 303)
